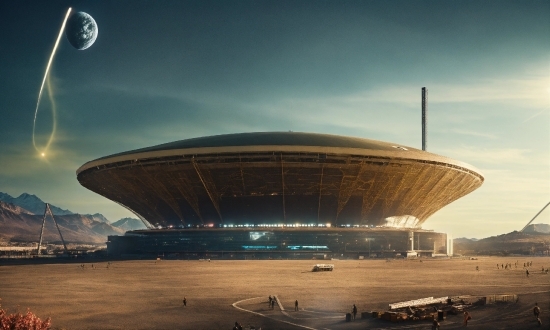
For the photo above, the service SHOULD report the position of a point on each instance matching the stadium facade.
(239, 193)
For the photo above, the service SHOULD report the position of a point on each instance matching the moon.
(81, 30)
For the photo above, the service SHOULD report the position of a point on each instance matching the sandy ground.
(148, 294)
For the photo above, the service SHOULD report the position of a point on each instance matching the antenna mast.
(424, 118)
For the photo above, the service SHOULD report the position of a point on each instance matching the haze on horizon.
(161, 72)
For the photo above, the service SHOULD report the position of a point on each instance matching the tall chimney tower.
(424, 118)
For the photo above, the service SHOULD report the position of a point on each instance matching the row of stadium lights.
(297, 225)
(277, 225)
(327, 225)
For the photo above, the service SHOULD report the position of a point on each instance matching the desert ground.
(148, 294)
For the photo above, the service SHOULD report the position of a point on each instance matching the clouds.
(475, 134)
(543, 111)
(486, 156)
(160, 73)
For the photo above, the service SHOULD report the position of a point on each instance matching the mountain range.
(21, 221)
(32, 203)
(523, 243)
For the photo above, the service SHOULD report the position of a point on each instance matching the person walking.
(527, 272)
(435, 325)
(536, 310)
(354, 311)
(467, 318)
(296, 306)
(184, 302)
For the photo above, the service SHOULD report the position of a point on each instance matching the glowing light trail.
(42, 87)
(54, 114)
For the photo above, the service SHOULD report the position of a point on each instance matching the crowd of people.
(526, 266)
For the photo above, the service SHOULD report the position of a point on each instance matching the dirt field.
(148, 294)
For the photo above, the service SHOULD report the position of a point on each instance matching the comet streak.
(42, 86)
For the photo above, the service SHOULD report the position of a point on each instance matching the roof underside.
(282, 177)
(281, 188)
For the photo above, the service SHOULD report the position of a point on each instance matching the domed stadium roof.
(275, 142)
(269, 138)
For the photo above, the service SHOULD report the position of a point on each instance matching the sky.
(162, 71)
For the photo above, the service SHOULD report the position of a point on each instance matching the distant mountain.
(20, 225)
(4, 197)
(538, 228)
(14, 208)
(99, 217)
(464, 239)
(505, 244)
(32, 203)
(35, 205)
(129, 224)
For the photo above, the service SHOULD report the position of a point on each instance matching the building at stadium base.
(280, 194)
(280, 242)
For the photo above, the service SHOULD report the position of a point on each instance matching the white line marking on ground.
(260, 314)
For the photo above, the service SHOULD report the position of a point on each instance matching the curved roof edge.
(291, 142)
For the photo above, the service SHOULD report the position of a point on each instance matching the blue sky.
(171, 70)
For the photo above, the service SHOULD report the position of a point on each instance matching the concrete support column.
(411, 241)
(450, 247)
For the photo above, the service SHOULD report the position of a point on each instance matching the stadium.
(276, 194)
